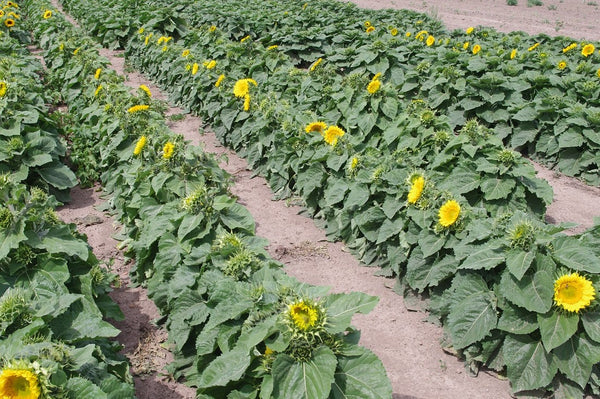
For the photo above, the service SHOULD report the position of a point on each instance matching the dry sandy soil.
(408, 346)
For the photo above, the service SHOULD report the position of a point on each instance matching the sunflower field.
(408, 142)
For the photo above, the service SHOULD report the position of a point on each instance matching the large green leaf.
(238, 217)
(58, 175)
(528, 365)
(59, 239)
(82, 388)
(485, 257)
(10, 238)
(471, 320)
(230, 366)
(518, 262)
(421, 273)
(497, 188)
(517, 320)
(533, 293)
(308, 380)
(360, 377)
(591, 324)
(557, 327)
(576, 357)
(431, 243)
(342, 307)
(574, 255)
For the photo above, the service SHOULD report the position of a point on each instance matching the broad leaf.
(342, 307)
(518, 262)
(360, 377)
(471, 320)
(528, 365)
(557, 327)
(230, 366)
(576, 357)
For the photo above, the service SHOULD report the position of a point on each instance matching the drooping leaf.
(471, 320)
(342, 307)
(528, 365)
(518, 262)
(229, 366)
(360, 377)
(576, 357)
(557, 327)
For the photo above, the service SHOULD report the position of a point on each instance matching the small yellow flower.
(373, 86)
(430, 40)
(165, 47)
(466, 45)
(562, 65)
(242, 87)
(476, 49)
(140, 31)
(138, 108)
(370, 29)
(61, 47)
(354, 163)
(139, 146)
(168, 150)
(421, 35)
(588, 50)
(314, 66)
(332, 134)
(212, 28)
(219, 80)
(268, 351)
(146, 90)
(273, 47)
(513, 54)
(394, 32)
(185, 53)
(147, 39)
(3, 88)
(98, 90)
(367, 24)
(47, 14)
(1, 13)
(19, 384)
(315, 127)
(244, 39)
(303, 315)
(97, 74)
(247, 102)
(569, 47)
(533, 47)
(573, 292)
(9, 23)
(407, 34)
(416, 190)
(448, 213)
(14, 15)
(211, 64)
(195, 68)
(470, 30)
(76, 50)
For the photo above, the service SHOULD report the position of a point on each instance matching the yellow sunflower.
(416, 190)
(561, 65)
(3, 88)
(146, 90)
(9, 22)
(185, 53)
(394, 32)
(466, 45)
(513, 54)
(476, 49)
(470, 30)
(449, 212)
(97, 74)
(533, 47)
(303, 315)
(195, 68)
(168, 150)
(315, 127)
(242, 87)
(370, 29)
(219, 80)
(47, 14)
(332, 134)
(430, 40)
(573, 292)
(569, 47)
(247, 102)
(97, 90)
(373, 86)
(139, 146)
(137, 108)
(588, 50)
(317, 62)
(19, 384)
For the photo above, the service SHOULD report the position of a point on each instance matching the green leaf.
(430, 243)
(82, 388)
(421, 273)
(567, 389)
(518, 262)
(497, 188)
(238, 217)
(335, 192)
(59, 239)
(342, 307)
(360, 377)
(10, 239)
(576, 357)
(58, 175)
(359, 195)
(574, 255)
(533, 293)
(308, 380)
(528, 365)
(388, 229)
(252, 337)
(188, 224)
(230, 366)
(591, 324)
(471, 320)
(485, 257)
(517, 320)
(556, 328)
(527, 114)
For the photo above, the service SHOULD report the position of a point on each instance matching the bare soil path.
(408, 346)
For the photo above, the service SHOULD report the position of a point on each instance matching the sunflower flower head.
(195, 68)
(139, 146)
(416, 189)
(470, 30)
(569, 47)
(242, 87)
(573, 292)
(245, 38)
(146, 90)
(9, 22)
(332, 134)
(247, 102)
(97, 74)
(588, 50)
(98, 89)
(394, 32)
(316, 64)
(561, 65)
(19, 383)
(47, 14)
(3, 88)
(536, 45)
(449, 213)
(370, 29)
(430, 41)
(305, 316)
(137, 108)
(168, 150)
(315, 127)
(373, 86)
(522, 235)
(476, 49)
(219, 80)
(513, 54)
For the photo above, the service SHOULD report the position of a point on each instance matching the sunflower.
(219, 80)
(212, 28)
(588, 50)
(97, 90)
(332, 134)
(561, 65)
(185, 53)
(244, 39)
(210, 64)
(370, 29)
(19, 384)
(354, 163)
(247, 102)
(139, 146)
(194, 68)
(47, 14)
(416, 190)
(449, 213)
(476, 49)
(373, 86)
(3, 88)
(303, 315)
(466, 45)
(9, 22)
(242, 87)
(367, 24)
(470, 30)
(1, 13)
(430, 40)
(569, 47)
(317, 62)
(407, 34)
(273, 47)
(513, 54)
(146, 90)
(533, 47)
(315, 127)
(168, 150)
(394, 32)
(97, 74)
(137, 108)
(573, 292)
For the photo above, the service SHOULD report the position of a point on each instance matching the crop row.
(455, 215)
(53, 292)
(237, 323)
(540, 94)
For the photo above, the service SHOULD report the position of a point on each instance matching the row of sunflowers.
(54, 341)
(540, 94)
(441, 205)
(238, 325)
